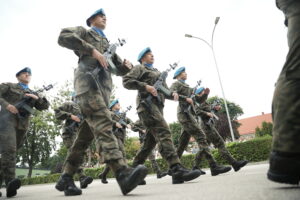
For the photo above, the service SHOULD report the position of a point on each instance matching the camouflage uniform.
(13, 127)
(93, 102)
(157, 128)
(64, 112)
(138, 127)
(212, 133)
(286, 100)
(189, 123)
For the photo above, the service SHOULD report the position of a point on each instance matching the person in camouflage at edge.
(285, 155)
(119, 131)
(203, 111)
(14, 125)
(70, 112)
(140, 128)
(89, 45)
(189, 123)
(142, 78)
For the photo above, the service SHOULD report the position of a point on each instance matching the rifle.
(213, 119)
(108, 54)
(123, 117)
(158, 85)
(74, 124)
(24, 106)
(191, 107)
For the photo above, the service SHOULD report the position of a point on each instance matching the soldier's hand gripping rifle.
(108, 54)
(74, 124)
(122, 116)
(24, 106)
(191, 106)
(158, 85)
(213, 119)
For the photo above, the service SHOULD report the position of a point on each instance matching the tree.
(132, 145)
(175, 128)
(40, 140)
(266, 129)
(222, 124)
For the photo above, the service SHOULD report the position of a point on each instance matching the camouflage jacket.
(82, 42)
(64, 112)
(119, 132)
(202, 110)
(138, 78)
(12, 93)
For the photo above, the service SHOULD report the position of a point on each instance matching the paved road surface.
(250, 183)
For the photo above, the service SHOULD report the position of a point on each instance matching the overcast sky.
(250, 43)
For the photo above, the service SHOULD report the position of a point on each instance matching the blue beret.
(114, 102)
(26, 69)
(97, 12)
(199, 90)
(143, 52)
(178, 72)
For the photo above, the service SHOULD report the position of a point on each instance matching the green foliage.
(254, 150)
(222, 125)
(175, 128)
(132, 145)
(266, 129)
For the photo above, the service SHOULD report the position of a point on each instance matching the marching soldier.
(139, 127)
(93, 93)
(14, 125)
(203, 111)
(70, 112)
(142, 78)
(187, 119)
(119, 129)
(285, 155)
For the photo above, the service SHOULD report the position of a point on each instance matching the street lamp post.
(211, 46)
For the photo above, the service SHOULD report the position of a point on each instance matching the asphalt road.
(249, 183)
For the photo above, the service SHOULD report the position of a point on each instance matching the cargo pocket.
(96, 102)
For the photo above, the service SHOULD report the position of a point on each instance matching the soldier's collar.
(99, 31)
(23, 86)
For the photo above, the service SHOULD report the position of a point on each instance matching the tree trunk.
(30, 169)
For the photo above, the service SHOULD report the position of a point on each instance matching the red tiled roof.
(249, 124)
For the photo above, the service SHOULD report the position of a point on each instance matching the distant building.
(248, 125)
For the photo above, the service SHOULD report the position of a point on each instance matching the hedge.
(254, 150)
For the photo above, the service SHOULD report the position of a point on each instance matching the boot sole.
(138, 177)
(225, 171)
(240, 167)
(12, 188)
(283, 178)
(187, 178)
(89, 181)
(67, 193)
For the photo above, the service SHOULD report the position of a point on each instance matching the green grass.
(35, 172)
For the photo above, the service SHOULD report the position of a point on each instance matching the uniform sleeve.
(137, 126)
(3, 89)
(202, 110)
(42, 104)
(131, 80)
(175, 87)
(121, 69)
(72, 38)
(201, 99)
(63, 112)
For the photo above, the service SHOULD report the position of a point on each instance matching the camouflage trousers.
(68, 140)
(11, 139)
(158, 132)
(97, 125)
(190, 127)
(286, 99)
(122, 149)
(214, 137)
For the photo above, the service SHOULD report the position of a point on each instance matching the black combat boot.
(237, 165)
(0, 194)
(66, 183)
(181, 174)
(160, 174)
(12, 187)
(284, 167)
(219, 169)
(143, 182)
(85, 181)
(202, 172)
(128, 178)
(102, 176)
